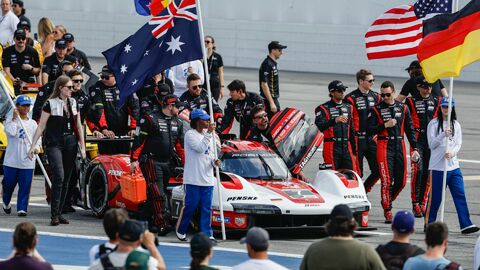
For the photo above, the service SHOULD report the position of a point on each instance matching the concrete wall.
(322, 36)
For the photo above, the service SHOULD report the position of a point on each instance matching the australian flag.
(167, 40)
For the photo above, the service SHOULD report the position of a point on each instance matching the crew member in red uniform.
(153, 148)
(390, 120)
(334, 119)
(422, 109)
(362, 100)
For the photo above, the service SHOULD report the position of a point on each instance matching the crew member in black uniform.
(197, 98)
(111, 119)
(51, 69)
(390, 120)
(422, 109)
(156, 87)
(363, 99)
(334, 119)
(215, 69)
(239, 107)
(81, 57)
(20, 62)
(153, 148)
(268, 78)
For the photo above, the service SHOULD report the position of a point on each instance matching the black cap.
(24, 24)
(336, 85)
(163, 89)
(18, 2)
(61, 43)
(422, 82)
(200, 243)
(414, 65)
(68, 37)
(276, 45)
(171, 99)
(341, 212)
(65, 62)
(105, 71)
(19, 33)
(131, 230)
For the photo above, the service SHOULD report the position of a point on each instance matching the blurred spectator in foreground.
(257, 240)
(436, 238)
(340, 250)
(396, 252)
(25, 256)
(137, 260)
(201, 250)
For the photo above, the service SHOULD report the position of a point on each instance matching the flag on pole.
(398, 31)
(150, 7)
(167, 40)
(451, 42)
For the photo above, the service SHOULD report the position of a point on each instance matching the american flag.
(398, 31)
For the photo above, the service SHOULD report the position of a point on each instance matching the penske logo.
(241, 198)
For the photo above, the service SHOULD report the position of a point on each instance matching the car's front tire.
(98, 190)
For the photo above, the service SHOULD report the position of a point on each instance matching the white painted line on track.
(374, 233)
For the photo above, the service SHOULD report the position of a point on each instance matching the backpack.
(107, 264)
(103, 249)
(395, 262)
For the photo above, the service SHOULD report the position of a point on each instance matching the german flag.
(450, 42)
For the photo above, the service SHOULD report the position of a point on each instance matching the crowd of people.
(360, 124)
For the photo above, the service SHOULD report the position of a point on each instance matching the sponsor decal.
(115, 172)
(354, 196)
(312, 204)
(120, 204)
(307, 157)
(240, 221)
(219, 219)
(242, 198)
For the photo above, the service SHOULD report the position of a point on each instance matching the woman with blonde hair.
(59, 31)
(45, 36)
(61, 122)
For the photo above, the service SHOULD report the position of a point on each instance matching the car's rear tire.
(98, 190)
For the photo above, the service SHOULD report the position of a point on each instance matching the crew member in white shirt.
(17, 167)
(8, 23)
(436, 133)
(198, 178)
(181, 72)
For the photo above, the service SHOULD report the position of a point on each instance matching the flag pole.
(4, 87)
(449, 117)
(210, 105)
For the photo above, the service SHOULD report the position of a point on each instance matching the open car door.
(295, 136)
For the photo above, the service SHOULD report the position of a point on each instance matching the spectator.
(396, 252)
(59, 31)
(45, 37)
(324, 254)
(182, 72)
(436, 238)
(215, 69)
(436, 134)
(198, 175)
(51, 68)
(112, 220)
(8, 23)
(21, 62)
(268, 78)
(257, 240)
(137, 260)
(81, 57)
(130, 236)
(25, 256)
(61, 122)
(16, 167)
(239, 106)
(476, 255)
(19, 10)
(201, 250)
(25, 25)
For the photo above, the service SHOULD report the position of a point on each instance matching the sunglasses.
(195, 87)
(338, 90)
(20, 38)
(77, 81)
(208, 41)
(105, 77)
(70, 87)
(263, 115)
(386, 95)
(25, 105)
(371, 81)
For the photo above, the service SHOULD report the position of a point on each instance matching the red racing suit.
(422, 110)
(391, 153)
(339, 140)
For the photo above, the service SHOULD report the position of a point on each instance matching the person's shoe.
(388, 216)
(7, 209)
(470, 229)
(22, 213)
(68, 209)
(181, 237)
(213, 239)
(54, 221)
(417, 211)
(62, 220)
(164, 231)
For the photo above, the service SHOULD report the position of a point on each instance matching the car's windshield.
(255, 165)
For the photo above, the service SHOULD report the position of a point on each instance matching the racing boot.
(417, 211)
(164, 230)
(387, 213)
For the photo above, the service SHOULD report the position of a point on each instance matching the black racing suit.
(201, 102)
(44, 93)
(241, 111)
(366, 146)
(339, 140)
(422, 110)
(154, 148)
(391, 154)
(261, 136)
(107, 115)
(268, 73)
